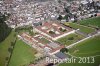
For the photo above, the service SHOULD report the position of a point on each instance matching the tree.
(51, 32)
(66, 17)
(7, 58)
(10, 50)
(63, 50)
(12, 44)
(91, 15)
(59, 1)
(50, 64)
(95, 15)
(67, 10)
(63, 30)
(60, 18)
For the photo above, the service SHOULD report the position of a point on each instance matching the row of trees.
(10, 50)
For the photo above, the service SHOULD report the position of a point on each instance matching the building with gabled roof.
(34, 41)
(54, 30)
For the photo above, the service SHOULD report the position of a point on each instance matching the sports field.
(93, 22)
(87, 48)
(69, 39)
(22, 55)
(82, 28)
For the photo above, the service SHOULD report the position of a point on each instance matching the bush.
(10, 50)
(51, 32)
(7, 58)
(71, 38)
(63, 30)
(63, 50)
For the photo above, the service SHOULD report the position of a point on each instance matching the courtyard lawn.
(90, 47)
(69, 39)
(22, 55)
(44, 40)
(82, 28)
(28, 29)
(93, 22)
(4, 48)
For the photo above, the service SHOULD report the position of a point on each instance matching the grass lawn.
(22, 55)
(82, 28)
(4, 48)
(28, 29)
(88, 48)
(93, 22)
(69, 39)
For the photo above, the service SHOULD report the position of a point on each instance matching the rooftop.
(61, 55)
(49, 47)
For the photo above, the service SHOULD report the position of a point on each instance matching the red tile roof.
(30, 39)
(50, 26)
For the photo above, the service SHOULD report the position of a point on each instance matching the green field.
(82, 28)
(87, 48)
(69, 39)
(22, 55)
(4, 48)
(93, 22)
(92, 45)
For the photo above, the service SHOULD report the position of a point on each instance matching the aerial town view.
(49, 32)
